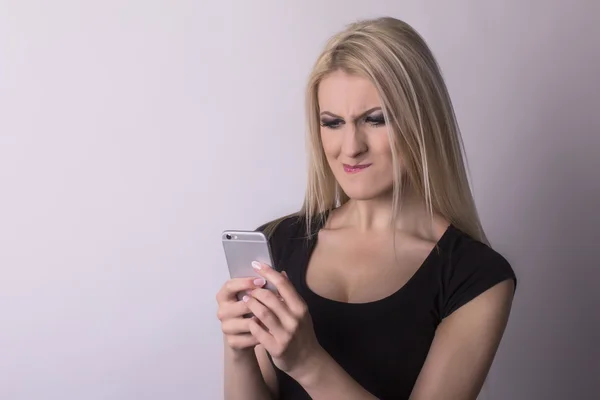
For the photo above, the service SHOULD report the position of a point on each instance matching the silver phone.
(243, 247)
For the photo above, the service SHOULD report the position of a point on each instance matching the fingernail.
(259, 282)
(256, 265)
(245, 299)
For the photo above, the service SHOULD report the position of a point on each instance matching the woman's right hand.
(231, 313)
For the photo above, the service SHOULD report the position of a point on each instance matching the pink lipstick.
(353, 169)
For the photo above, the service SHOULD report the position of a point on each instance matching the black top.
(383, 344)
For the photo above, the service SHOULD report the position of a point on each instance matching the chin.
(361, 197)
(364, 193)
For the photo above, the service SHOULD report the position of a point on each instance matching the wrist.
(242, 355)
(239, 355)
(312, 370)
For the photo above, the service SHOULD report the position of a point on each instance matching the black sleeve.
(281, 237)
(477, 269)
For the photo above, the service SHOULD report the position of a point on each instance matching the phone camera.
(228, 236)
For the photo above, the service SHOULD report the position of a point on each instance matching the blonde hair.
(423, 130)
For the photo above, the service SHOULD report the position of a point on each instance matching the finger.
(263, 336)
(279, 308)
(286, 277)
(236, 326)
(234, 286)
(240, 342)
(232, 310)
(265, 315)
(283, 285)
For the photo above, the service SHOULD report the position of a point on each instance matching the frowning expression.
(355, 136)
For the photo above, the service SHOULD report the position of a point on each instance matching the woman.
(387, 287)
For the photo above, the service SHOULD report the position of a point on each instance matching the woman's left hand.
(283, 324)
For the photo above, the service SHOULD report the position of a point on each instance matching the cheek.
(330, 145)
(380, 145)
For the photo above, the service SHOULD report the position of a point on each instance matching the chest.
(379, 328)
(363, 269)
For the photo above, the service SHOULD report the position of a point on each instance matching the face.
(354, 136)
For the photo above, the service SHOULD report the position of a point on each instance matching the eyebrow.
(369, 111)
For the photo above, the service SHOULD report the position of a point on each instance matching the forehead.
(343, 93)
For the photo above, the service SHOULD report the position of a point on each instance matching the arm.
(247, 375)
(464, 347)
(327, 380)
(267, 370)
(243, 377)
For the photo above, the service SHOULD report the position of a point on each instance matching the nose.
(354, 143)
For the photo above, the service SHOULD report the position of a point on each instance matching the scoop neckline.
(433, 254)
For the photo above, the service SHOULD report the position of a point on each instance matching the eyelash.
(333, 124)
(375, 121)
(336, 123)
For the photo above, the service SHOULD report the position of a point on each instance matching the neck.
(377, 214)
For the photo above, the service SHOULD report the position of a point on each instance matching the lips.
(352, 169)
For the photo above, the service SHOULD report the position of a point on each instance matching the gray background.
(133, 132)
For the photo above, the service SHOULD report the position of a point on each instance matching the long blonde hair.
(422, 126)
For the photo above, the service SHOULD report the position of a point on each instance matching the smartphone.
(243, 247)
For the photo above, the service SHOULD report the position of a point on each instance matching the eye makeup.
(332, 123)
(373, 117)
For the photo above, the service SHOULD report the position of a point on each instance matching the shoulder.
(284, 233)
(283, 228)
(471, 268)
(466, 252)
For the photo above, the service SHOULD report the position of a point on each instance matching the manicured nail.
(259, 282)
(245, 299)
(256, 265)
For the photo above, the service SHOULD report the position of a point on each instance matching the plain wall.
(133, 132)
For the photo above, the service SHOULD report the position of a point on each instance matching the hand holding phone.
(241, 249)
(233, 314)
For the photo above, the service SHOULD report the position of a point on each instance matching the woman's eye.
(332, 123)
(375, 120)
